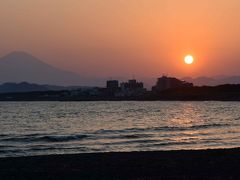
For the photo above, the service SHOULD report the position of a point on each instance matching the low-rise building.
(131, 88)
(164, 83)
(112, 84)
(112, 87)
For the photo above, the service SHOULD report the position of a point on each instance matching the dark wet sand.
(202, 164)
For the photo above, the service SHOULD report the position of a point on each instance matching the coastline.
(225, 92)
(181, 164)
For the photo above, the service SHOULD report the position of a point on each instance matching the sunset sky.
(145, 38)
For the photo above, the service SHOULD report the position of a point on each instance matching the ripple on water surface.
(35, 128)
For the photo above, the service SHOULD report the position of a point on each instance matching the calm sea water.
(39, 128)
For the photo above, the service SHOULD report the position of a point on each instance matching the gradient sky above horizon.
(144, 38)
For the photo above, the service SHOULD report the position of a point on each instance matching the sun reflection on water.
(74, 127)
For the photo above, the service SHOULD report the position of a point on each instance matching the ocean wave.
(202, 126)
(63, 138)
(168, 144)
(135, 136)
(6, 146)
(46, 148)
(142, 141)
(45, 138)
(3, 135)
(162, 128)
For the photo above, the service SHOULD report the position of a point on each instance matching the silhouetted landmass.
(20, 66)
(222, 92)
(29, 87)
(200, 164)
(205, 93)
(213, 81)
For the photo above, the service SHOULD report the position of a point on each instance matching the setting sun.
(188, 59)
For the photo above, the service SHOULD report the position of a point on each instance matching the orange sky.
(125, 37)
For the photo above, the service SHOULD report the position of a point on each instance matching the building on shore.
(164, 83)
(112, 87)
(112, 84)
(131, 88)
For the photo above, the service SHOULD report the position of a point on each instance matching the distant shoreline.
(182, 164)
(205, 93)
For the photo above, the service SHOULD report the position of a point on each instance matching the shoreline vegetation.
(205, 93)
(181, 164)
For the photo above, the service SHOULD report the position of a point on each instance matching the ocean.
(44, 128)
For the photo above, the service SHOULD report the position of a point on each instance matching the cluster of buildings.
(135, 88)
(125, 89)
(132, 89)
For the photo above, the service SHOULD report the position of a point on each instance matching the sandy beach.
(199, 164)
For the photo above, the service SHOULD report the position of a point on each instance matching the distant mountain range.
(22, 67)
(17, 67)
(28, 87)
(213, 81)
